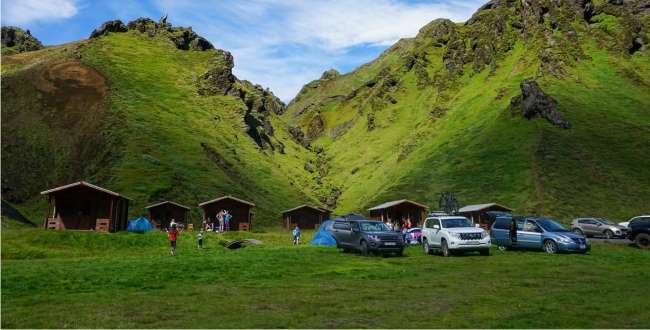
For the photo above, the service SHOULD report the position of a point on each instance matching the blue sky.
(280, 44)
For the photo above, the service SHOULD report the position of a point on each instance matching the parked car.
(449, 234)
(413, 236)
(639, 232)
(597, 227)
(536, 233)
(626, 224)
(367, 236)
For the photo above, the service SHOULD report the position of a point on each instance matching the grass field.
(87, 280)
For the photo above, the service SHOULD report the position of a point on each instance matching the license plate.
(473, 243)
(582, 246)
(390, 243)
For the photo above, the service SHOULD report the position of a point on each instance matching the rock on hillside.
(182, 37)
(16, 40)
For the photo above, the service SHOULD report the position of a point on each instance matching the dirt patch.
(54, 122)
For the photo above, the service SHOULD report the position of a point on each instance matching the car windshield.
(374, 226)
(550, 225)
(456, 223)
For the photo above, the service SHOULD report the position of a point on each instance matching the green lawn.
(88, 280)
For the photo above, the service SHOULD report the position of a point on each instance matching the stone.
(107, 27)
(329, 74)
(17, 40)
(534, 102)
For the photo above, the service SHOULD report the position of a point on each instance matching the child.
(296, 235)
(219, 222)
(199, 237)
(171, 234)
(226, 220)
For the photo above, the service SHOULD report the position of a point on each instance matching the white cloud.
(284, 44)
(17, 12)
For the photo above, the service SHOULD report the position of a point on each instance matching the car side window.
(584, 222)
(532, 227)
(520, 224)
(342, 225)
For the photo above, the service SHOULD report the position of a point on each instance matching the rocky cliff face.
(16, 40)
(182, 37)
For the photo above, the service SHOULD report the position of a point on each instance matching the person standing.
(199, 238)
(296, 235)
(172, 234)
(226, 220)
(219, 222)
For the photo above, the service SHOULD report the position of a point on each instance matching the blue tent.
(323, 236)
(140, 224)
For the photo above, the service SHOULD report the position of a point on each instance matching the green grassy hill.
(123, 110)
(153, 112)
(434, 114)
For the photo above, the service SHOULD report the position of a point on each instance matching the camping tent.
(140, 224)
(323, 236)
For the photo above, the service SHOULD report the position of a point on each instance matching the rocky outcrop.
(186, 39)
(182, 37)
(439, 31)
(533, 102)
(16, 40)
(260, 103)
(107, 27)
(218, 80)
(142, 25)
(329, 74)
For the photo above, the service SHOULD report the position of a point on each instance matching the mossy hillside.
(456, 132)
(169, 142)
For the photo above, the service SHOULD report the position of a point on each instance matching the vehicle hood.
(565, 234)
(465, 230)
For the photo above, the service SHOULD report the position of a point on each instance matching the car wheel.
(577, 231)
(642, 241)
(444, 248)
(427, 248)
(484, 252)
(550, 246)
(364, 248)
(609, 234)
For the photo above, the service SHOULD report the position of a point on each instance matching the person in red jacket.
(172, 234)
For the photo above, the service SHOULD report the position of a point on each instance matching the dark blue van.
(536, 233)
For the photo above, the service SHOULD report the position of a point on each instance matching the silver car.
(597, 227)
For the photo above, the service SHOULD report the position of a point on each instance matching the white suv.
(453, 233)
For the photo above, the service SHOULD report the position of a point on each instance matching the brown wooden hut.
(398, 211)
(84, 206)
(305, 216)
(162, 213)
(238, 208)
(476, 213)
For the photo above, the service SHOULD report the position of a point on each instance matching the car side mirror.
(355, 230)
(599, 224)
(436, 227)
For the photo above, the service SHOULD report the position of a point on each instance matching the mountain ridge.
(446, 110)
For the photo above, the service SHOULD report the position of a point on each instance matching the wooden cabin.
(84, 206)
(398, 211)
(238, 208)
(162, 213)
(305, 216)
(476, 213)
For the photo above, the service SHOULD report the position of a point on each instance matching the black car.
(367, 236)
(638, 230)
